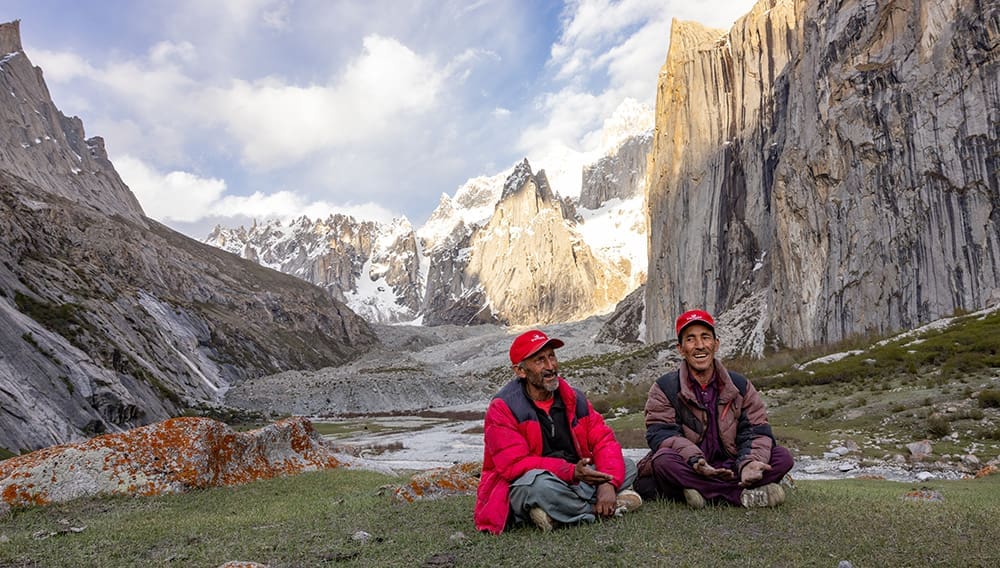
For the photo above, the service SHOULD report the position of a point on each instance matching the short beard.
(553, 387)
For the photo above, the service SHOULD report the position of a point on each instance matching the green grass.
(308, 520)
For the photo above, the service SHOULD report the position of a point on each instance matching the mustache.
(547, 374)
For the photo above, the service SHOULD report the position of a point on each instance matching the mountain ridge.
(110, 320)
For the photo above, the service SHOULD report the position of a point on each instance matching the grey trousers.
(563, 502)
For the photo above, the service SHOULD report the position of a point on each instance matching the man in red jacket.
(548, 455)
(708, 431)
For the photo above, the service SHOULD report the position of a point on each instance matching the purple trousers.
(671, 475)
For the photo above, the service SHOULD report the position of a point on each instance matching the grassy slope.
(926, 385)
(309, 520)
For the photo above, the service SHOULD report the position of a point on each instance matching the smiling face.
(698, 344)
(540, 373)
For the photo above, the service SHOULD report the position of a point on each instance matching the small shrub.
(989, 398)
(938, 426)
(820, 413)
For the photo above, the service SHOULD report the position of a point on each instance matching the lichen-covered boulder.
(459, 479)
(168, 457)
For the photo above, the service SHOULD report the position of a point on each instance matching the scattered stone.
(970, 461)
(5, 510)
(361, 536)
(899, 458)
(42, 535)
(920, 450)
(841, 451)
(845, 564)
(924, 476)
(242, 564)
(459, 479)
(458, 538)
(4, 539)
(846, 466)
(440, 561)
(851, 445)
(923, 494)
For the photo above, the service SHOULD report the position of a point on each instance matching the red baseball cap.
(529, 343)
(694, 316)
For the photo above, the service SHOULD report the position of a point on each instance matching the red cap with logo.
(694, 316)
(529, 343)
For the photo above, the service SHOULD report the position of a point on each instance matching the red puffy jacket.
(513, 445)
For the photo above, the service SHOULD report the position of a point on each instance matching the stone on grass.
(168, 457)
(923, 494)
(459, 479)
(971, 462)
(920, 450)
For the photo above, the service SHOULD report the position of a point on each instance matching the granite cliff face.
(109, 320)
(532, 263)
(827, 169)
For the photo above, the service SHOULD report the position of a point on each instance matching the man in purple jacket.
(707, 430)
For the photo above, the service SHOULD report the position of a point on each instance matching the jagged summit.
(42, 145)
(10, 38)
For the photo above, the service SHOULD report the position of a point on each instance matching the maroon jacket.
(512, 441)
(744, 432)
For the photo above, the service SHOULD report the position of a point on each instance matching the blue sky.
(220, 111)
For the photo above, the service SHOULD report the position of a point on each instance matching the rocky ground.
(417, 368)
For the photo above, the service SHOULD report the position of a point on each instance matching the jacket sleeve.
(662, 428)
(604, 447)
(509, 449)
(754, 438)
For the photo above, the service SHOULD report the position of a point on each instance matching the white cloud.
(174, 196)
(288, 205)
(278, 123)
(501, 112)
(60, 66)
(276, 16)
(184, 197)
(167, 52)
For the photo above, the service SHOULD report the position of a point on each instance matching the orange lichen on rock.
(171, 456)
(988, 470)
(459, 479)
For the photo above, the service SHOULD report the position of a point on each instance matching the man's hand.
(583, 472)
(702, 468)
(753, 472)
(606, 498)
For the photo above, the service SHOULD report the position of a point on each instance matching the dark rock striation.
(827, 169)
